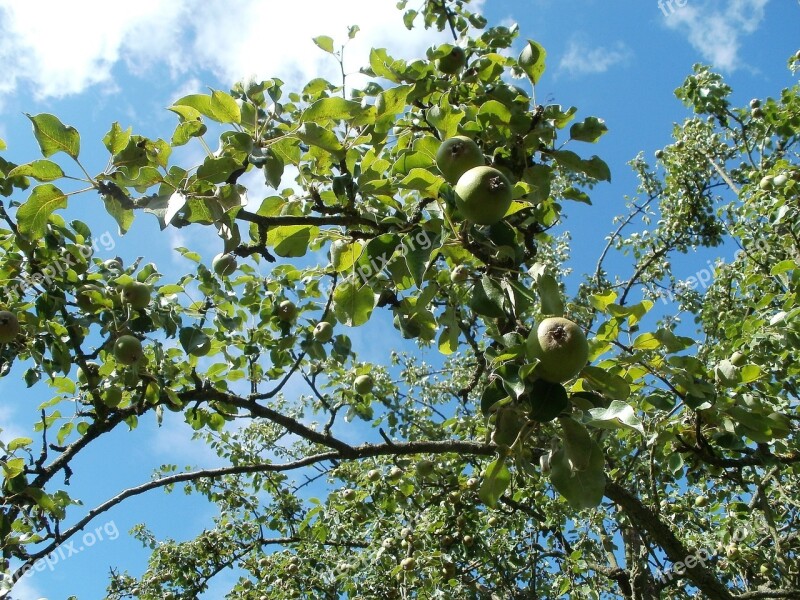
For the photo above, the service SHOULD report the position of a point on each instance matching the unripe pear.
(9, 326)
(561, 347)
(483, 195)
(458, 155)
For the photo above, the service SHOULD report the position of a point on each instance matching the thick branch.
(353, 453)
(343, 220)
(645, 519)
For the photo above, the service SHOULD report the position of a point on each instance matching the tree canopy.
(664, 465)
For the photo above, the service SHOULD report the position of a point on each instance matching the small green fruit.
(458, 155)
(348, 494)
(766, 182)
(701, 501)
(286, 311)
(135, 294)
(757, 113)
(561, 347)
(408, 563)
(374, 475)
(89, 376)
(224, 264)
(483, 195)
(659, 154)
(395, 473)
(460, 274)
(452, 62)
(425, 467)
(9, 326)
(755, 103)
(128, 350)
(737, 359)
(323, 332)
(780, 180)
(363, 384)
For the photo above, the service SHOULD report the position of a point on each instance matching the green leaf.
(618, 415)
(532, 61)
(41, 170)
(495, 482)
(18, 443)
(353, 303)
(225, 108)
(315, 135)
(192, 338)
(594, 167)
(750, 373)
(423, 180)
(123, 216)
(590, 130)
(487, 298)
(446, 119)
(291, 240)
(324, 42)
(53, 136)
(217, 170)
(116, 139)
(511, 380)
(492, 393)
(327, 109)
(346, 254)
(582, 489)
(13, 467)
(546, 400)
(33, 215)
(217, 108)
(550, 295)
(577, 443)
(597, 168)
(572, 193)
(606, 383)
(646, 341)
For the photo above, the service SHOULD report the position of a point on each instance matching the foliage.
(474, 479)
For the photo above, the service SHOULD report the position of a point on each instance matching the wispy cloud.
(715, 28)
(75, 45)
(582, 59)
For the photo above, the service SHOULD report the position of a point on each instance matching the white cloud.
(68, 46)
(715, 29)
(25, 589)
(71, 46)
(581, 59)
(9, 428)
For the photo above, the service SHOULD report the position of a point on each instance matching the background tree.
(665, 467)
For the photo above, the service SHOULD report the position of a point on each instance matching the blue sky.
(93, 63)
